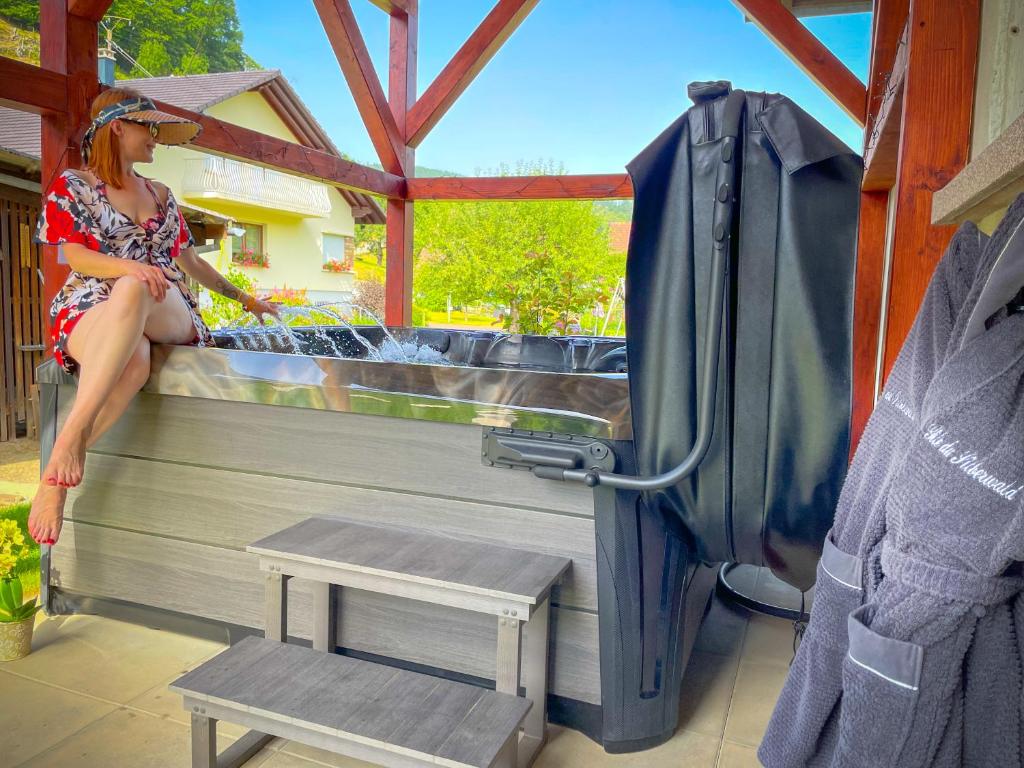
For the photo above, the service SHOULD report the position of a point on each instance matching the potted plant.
(17, 617)
(336, 265)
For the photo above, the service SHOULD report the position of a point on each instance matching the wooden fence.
(22, 326)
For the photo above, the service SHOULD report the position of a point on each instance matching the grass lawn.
(486, 322)
(365, 266)
(28, 565)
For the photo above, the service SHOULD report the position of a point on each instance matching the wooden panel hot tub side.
(175, 491)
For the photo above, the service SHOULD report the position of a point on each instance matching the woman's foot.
(67, 461)
(47, 515)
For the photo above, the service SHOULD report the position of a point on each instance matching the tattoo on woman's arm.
(224, 288)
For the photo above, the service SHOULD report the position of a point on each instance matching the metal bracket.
(546, 454)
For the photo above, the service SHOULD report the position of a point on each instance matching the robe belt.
(950, 583)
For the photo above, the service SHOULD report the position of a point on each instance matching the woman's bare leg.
(101, 342)
(99, 403)
(44, 523)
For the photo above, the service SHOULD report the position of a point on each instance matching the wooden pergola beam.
(808, 53)
(350, 49)
(882, 139)
(30, 88)
(480, 48)
(613, 186)
(230, 140)
(92, 10)
(396, 6)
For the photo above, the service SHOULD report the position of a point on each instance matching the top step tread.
(416, 556)
(462, 724)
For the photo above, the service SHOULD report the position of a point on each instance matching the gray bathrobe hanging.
(806, 725)
(932, 674)
(814, 684)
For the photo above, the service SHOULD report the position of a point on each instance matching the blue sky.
(586, 83)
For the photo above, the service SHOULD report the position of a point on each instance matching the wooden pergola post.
(920, 105)
(890, 17)
(935, 143)
(67, 45)
(401, 97)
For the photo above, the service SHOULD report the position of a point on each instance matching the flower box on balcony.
(336, 265)
(247, 258)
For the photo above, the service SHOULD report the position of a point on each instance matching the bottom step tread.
(398, 710)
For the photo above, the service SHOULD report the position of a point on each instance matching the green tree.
(23, 14)
(152, 58)
(198, 35)
(546, 262)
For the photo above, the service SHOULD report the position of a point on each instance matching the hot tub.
(225, 446)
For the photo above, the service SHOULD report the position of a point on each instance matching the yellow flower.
(10, 535)
(7, 563)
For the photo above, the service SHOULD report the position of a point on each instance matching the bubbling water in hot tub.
(338, 337)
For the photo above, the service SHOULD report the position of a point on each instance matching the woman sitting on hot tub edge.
(129, 250)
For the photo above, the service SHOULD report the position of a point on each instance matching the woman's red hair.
(105, 157)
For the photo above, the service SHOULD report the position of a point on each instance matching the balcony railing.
(230, 180)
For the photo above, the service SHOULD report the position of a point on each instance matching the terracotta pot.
(16, 638)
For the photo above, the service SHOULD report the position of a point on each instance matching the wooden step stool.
(512, 585)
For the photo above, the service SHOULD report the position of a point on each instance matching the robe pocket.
(881, 680)
(837, 593)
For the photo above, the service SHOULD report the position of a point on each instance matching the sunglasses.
(154, 128)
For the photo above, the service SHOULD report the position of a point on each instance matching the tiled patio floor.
(94, 693)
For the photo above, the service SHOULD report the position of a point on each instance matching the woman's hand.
(153, 277)
(260, 308)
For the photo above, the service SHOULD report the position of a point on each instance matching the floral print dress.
(74, 211)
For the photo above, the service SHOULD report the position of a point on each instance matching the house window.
(247, 249)
(339, 251)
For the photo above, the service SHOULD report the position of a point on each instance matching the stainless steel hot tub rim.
(586, 404)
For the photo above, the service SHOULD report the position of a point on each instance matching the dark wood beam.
(615, 186)
(222, 138)
(881, 147)
(481, 46)
(396, 6)
(808, 53)
(399, 220)
(32, 89)
(934, 146)
(93, 10)
(347, 41)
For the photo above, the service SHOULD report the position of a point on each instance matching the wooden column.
(890, 17)
(67, 45)
(934, 145)
(401, 97)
